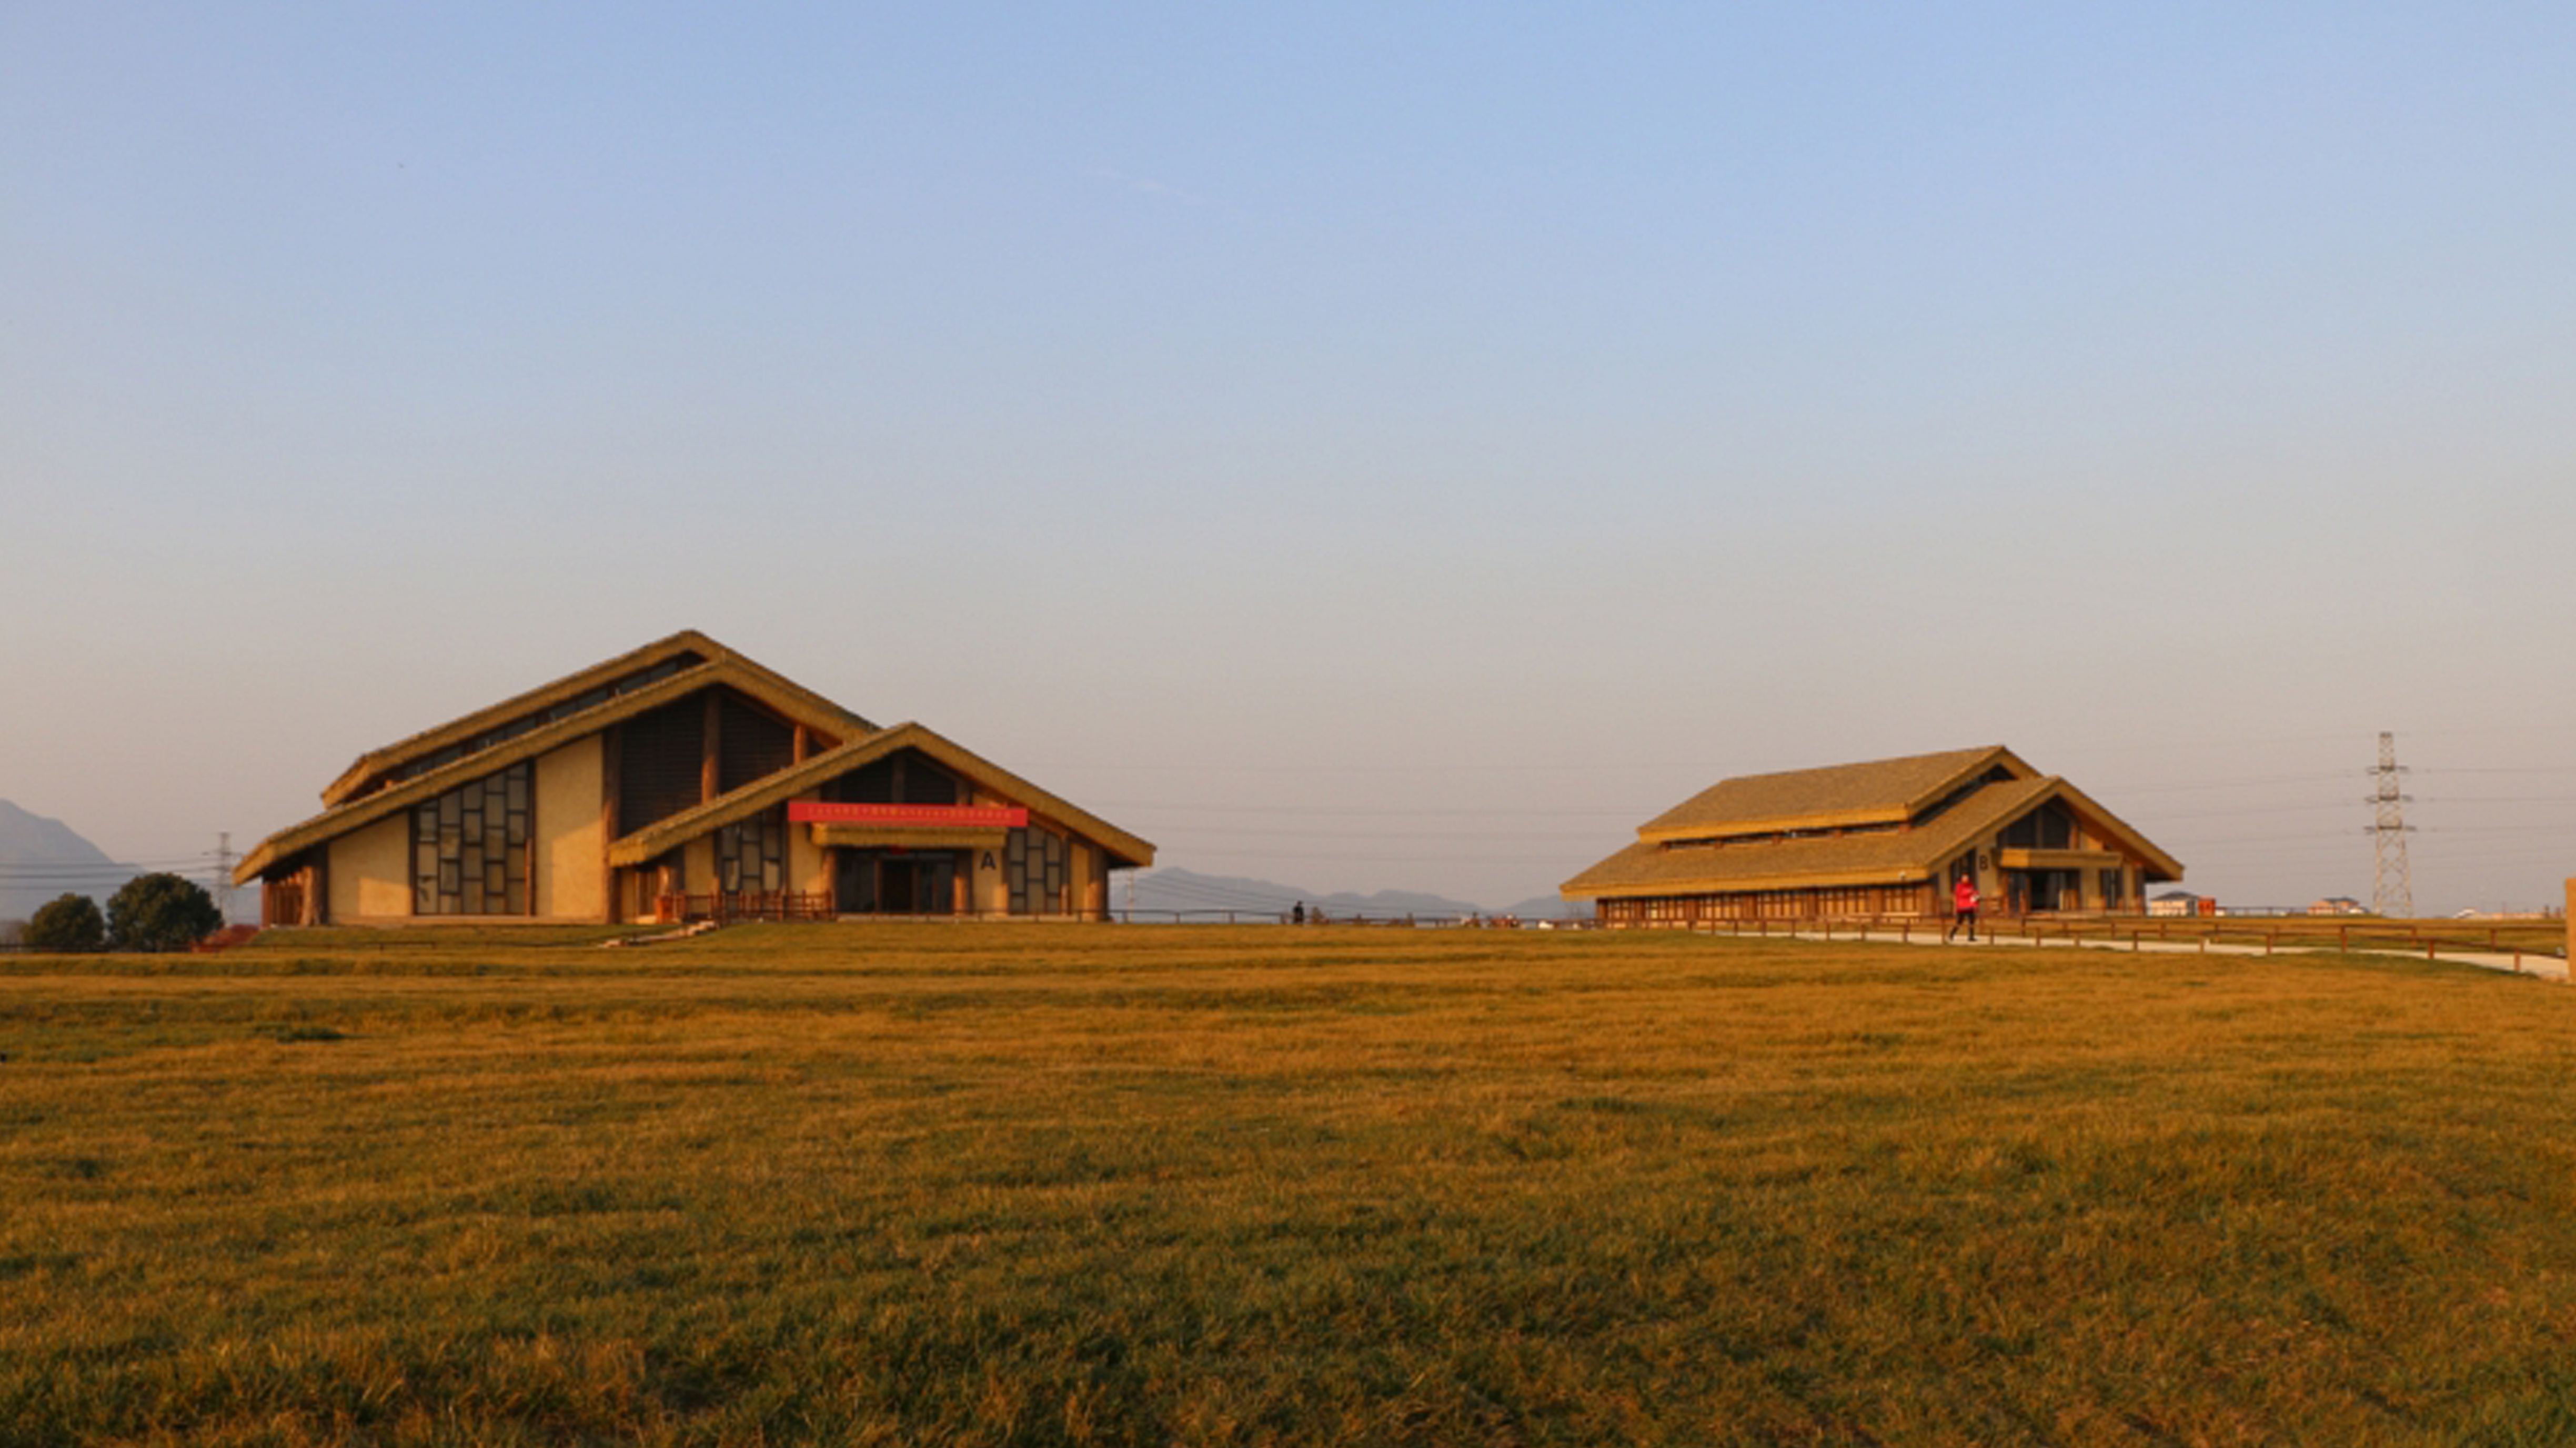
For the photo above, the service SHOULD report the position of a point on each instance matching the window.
(751, 853)
(469, 847)
(906, 776)
(1033, 862)
(2048, 827)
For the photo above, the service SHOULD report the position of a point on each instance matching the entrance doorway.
(892, 882)
(2040, 890)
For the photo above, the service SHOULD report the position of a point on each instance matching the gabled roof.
(686, 652)
(2159, 865)
(1709, 856)
(1882, 791)
(665, 835)
(1881, 856)
(731, 670)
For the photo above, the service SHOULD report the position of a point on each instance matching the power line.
(174, 861)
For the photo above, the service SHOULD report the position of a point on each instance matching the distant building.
(2337, 905)
(678, 778)
(2181, 902)
(1885, 838)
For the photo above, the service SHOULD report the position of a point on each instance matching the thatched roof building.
(1887, 837)
(680, 779)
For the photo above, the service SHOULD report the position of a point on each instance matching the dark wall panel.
(659, 758)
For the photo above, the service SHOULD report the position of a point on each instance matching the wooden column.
(533, 851)
(611, 887)
(714, 750)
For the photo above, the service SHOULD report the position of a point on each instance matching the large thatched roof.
(1880, 791)
(686, 654)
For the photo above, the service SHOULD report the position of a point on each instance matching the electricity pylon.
(2392, 892)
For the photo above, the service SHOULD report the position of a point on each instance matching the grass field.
(1158, 1185)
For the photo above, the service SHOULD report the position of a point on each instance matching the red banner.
(966, 816)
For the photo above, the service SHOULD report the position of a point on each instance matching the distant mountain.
(1209, 896)
(1550, 907)
(42, 858)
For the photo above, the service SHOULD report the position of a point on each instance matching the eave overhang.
(897, 837)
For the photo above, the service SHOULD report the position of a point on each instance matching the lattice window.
(1033, 860)
(469, 847)
(751, 854)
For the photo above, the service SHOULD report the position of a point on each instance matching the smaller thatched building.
(1885, 838)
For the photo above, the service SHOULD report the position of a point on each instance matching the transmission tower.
(224, 876)
(2392, 892)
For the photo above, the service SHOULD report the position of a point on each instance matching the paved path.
(2546, 967)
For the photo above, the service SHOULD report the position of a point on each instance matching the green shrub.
(161, 912)
(66, 922)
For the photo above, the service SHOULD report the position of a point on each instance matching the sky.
(1362, 446)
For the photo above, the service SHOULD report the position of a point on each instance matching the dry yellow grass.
(1031, 1184)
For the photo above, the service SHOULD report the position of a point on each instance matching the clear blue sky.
(1360, 445)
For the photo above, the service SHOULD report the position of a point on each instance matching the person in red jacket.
(1963, 907)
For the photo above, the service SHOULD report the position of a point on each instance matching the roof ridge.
(606, 674)
(1869, 791)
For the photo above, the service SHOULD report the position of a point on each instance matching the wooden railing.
(727, 906)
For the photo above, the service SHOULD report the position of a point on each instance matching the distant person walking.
(1963, 908)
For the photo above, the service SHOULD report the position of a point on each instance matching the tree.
(161, 912)
(66, 922)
